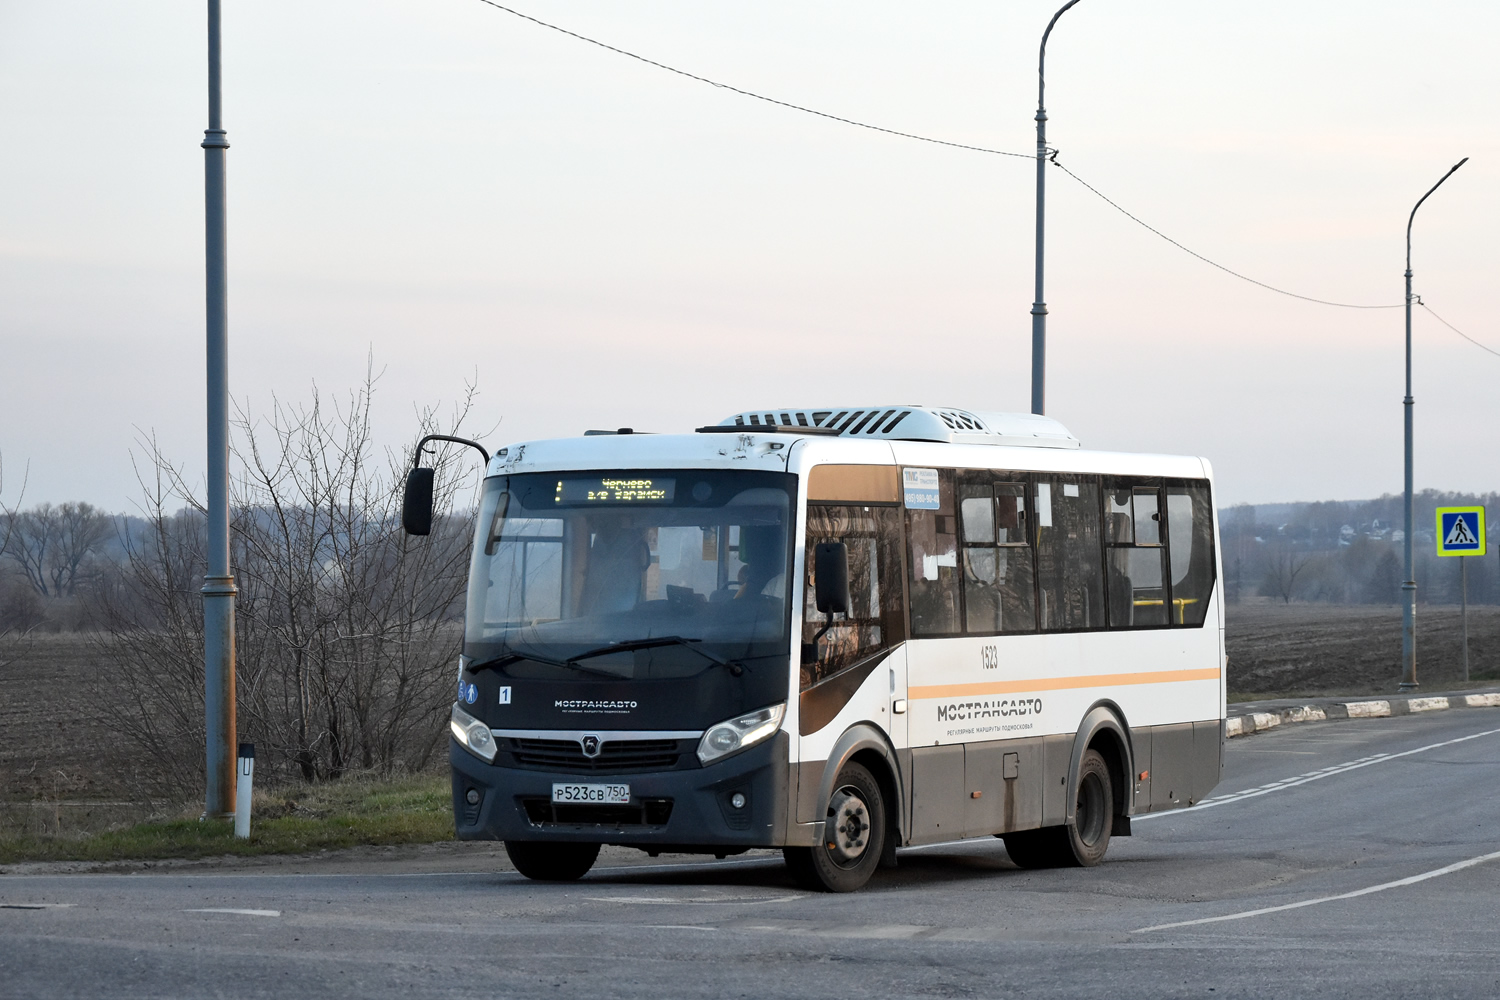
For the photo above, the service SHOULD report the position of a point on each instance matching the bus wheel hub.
(848, 825)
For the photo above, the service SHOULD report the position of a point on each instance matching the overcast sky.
(465, 194)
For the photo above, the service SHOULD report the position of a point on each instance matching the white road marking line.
(688, 865)
(688, 900)
(210, 874)
(230, 909)
(677, 927)
(1458, 866)
(1302, 779)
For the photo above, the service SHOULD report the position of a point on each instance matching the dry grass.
(319, 817)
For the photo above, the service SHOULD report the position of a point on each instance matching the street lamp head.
(1412, 217)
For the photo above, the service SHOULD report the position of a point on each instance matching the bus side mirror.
(416, 503)
(830, 590)
(831, 576)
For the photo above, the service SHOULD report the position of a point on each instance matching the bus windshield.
(568, 564)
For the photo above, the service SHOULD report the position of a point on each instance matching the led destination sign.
(615, 490)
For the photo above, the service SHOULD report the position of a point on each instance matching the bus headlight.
(738, 733)
(473, 735)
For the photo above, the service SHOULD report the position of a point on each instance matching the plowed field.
(1304, 649)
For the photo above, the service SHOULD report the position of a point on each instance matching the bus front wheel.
(551, 862)
(853, 839)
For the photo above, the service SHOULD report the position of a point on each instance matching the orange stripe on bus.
(1060, 683)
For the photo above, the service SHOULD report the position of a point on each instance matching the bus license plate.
(613, 795)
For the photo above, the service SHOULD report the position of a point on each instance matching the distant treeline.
(57, 562)
(1350, 552)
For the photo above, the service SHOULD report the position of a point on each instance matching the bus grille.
(615, 756)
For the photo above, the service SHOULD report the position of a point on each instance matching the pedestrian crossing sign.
(1460, 531)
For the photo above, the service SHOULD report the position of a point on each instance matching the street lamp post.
(1039, 306)
(218, 583)
(1409, 585)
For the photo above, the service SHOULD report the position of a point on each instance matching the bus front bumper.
(691, 808)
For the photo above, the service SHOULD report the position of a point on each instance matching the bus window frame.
(903, 618)
(1030, 478)
(1137, 485)
(1207, 486)
(989, 479)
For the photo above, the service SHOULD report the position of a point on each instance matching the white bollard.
(244, 780)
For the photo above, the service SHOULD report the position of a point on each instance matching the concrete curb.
(1256, 717)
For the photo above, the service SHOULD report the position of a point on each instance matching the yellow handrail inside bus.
(1180, 603)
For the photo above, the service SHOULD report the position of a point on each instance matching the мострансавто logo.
(964, 711)
(584, 705)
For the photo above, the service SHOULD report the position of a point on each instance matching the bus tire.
(854, 839)
(1093, 821)
(546, 862)
(1082, 843)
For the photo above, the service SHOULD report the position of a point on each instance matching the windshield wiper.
(663, 640)
(506, 659)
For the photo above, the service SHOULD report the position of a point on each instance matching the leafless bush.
(346, 630)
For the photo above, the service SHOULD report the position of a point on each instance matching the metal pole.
(1039, 306)
(218, 590)
(1463, 590)
(1409, 585)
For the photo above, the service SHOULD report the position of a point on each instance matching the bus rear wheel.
(1088, 836)
(1082, 843)
(853, 839)
(551, 862)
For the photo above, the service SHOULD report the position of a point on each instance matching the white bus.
(836, 632)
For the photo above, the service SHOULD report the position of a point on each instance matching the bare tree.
(80, 533)
(52, 545)
(346, 630)
(18, 619)
(1285, 566)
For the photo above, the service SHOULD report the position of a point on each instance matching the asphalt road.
(1317, 869)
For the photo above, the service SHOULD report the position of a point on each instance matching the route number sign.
(1460, 531)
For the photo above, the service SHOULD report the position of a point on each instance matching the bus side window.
(1190, 538)
(997, 563)
(1070, 570)
(933, 537)
(1132, 531)
(872, 538)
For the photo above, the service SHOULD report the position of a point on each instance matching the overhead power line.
(972, 148)
(1456, 330)
(1213, 263)
(750, 93)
